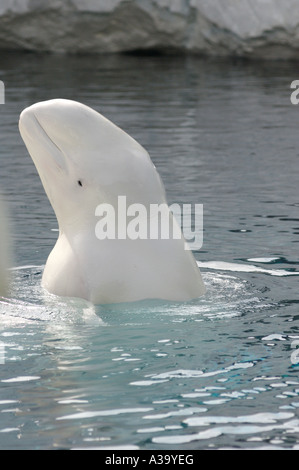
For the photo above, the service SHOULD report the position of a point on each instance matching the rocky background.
(244, 28)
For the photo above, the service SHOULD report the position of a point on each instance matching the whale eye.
(80, 183)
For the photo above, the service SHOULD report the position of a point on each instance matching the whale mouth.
(56, 155)
(41, 146)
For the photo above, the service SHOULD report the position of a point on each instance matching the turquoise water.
(220, 372)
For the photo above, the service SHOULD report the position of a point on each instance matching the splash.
(227, 296)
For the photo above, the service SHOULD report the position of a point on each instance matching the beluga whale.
(104, 190)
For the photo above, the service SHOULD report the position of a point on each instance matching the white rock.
(262, 28)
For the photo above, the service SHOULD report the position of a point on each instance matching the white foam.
(245, 268)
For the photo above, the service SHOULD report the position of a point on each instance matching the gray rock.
(250, 28)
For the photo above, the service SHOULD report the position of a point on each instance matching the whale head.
(84, 160)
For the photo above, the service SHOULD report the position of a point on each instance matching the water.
(219, 372)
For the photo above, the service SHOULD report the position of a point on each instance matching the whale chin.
(84, 160)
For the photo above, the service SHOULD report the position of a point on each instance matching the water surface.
(218, 372)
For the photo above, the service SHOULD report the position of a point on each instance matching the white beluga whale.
(89, 167)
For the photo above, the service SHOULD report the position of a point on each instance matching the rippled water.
(218, 372)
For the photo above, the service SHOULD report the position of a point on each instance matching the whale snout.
(32, 118)
(26, 117)
(49, 114)
(62, 120)
(36, 113)
(41, 134)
